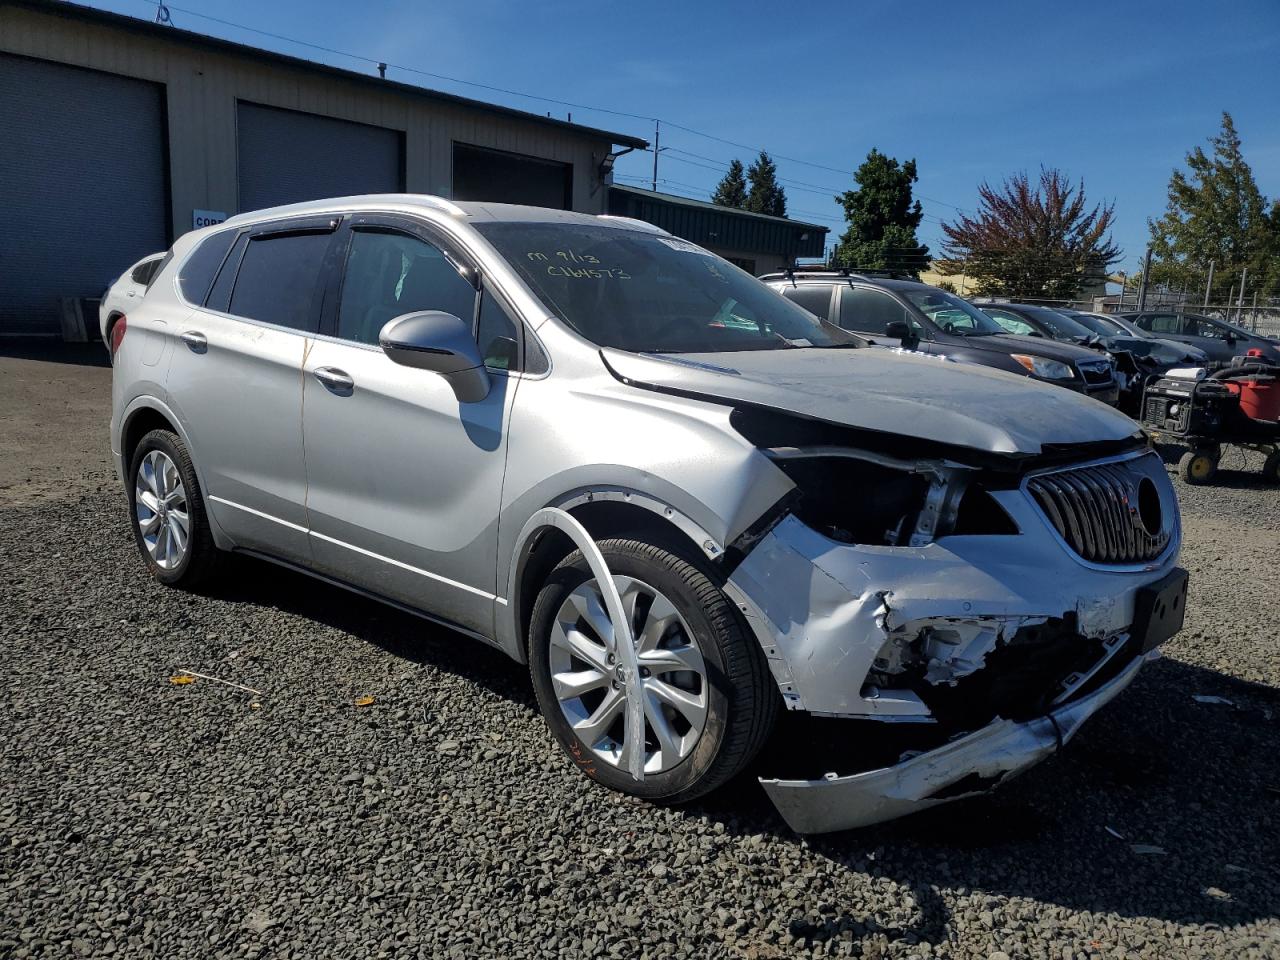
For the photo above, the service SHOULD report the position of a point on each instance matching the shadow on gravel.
(55, 351)
(1198, 781)
(404, 635)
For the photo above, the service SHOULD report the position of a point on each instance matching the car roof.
(471, 210)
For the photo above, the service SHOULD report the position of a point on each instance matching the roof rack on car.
(790, 273)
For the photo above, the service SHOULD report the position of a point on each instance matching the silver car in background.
(686, 503)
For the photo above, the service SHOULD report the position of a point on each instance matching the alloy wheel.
(161, 512)
(590, 685)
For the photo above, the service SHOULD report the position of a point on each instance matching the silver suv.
(687, 503)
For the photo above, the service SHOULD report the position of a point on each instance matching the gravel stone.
(141, 818)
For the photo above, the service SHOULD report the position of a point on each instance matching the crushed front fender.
(964, 767)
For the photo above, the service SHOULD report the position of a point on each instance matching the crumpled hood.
(896, 392)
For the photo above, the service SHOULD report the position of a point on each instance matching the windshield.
(1060, 325)
(1099, 326)
(650, 293)
(951, 313)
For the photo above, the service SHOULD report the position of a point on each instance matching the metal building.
(120, 135)
(756, 242)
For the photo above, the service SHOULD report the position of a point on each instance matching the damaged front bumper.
(1005, 643)
(965, 767)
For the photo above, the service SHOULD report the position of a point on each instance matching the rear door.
(236, 377)
(869, 311)
(1220, 342)
(405, 481)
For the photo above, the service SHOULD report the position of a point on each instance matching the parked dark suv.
(924, 318)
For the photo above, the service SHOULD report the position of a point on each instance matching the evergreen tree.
(1028, 240)
(1216, 212)
(883, 218)
(766, 194)
(732, 191)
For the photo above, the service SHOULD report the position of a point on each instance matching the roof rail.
(640, 224)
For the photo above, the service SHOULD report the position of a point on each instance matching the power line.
(529, 96)
(406, 69)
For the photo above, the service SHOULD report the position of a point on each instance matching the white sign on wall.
(206, 218)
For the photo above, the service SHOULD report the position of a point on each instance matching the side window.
(220, 295)
(389, 274)
(497, 334)
(1161, 323)
(869, 311)
(1011, 323)
(277, 280)
(1203, 328)
(197, 272)
(816, 298)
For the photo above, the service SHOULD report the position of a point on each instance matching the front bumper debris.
(965, 767)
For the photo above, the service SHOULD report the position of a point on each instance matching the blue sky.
(1115, 92)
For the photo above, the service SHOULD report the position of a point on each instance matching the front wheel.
(1197, 467)
(709, 700)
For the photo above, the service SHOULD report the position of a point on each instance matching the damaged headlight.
(1044, 367)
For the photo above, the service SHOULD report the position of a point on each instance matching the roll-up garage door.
(286, 157)
(501, 177)
(83, 185)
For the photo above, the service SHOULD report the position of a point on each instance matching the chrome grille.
(1107, 513)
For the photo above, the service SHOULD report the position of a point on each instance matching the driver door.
(404, 482)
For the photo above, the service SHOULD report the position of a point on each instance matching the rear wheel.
(709, 700)
(1198, 466)
(169, 520)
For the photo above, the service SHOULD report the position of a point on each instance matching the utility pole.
(1208, 286)
(1142, 289)
(1244, 277)
(1124, 278)
(1253, 314)
(657, 134)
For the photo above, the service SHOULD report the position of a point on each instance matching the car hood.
(894, 392)
(1009, 343)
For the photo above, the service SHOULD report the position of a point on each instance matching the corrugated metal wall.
(82, 185)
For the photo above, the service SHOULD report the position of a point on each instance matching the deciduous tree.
(1032, 240)
(883, 218)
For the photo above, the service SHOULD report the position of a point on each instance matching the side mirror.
(899, 330)
(442, 343)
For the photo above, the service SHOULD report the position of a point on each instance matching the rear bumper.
(965, 767)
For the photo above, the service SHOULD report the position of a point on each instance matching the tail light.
(117, 335)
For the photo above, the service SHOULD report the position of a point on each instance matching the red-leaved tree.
(1032, 240)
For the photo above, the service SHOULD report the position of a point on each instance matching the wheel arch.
(605, 513)
(147, 413)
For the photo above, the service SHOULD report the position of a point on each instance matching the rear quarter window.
(201, 266)
(816, 298)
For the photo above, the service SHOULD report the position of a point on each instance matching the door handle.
(335, 380)
(196, 341)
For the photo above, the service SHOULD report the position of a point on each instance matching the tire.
(1197, 467)
(1271, 468)
(186, 564)
(741, 697)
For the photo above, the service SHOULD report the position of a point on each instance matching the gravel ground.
(143, 818)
